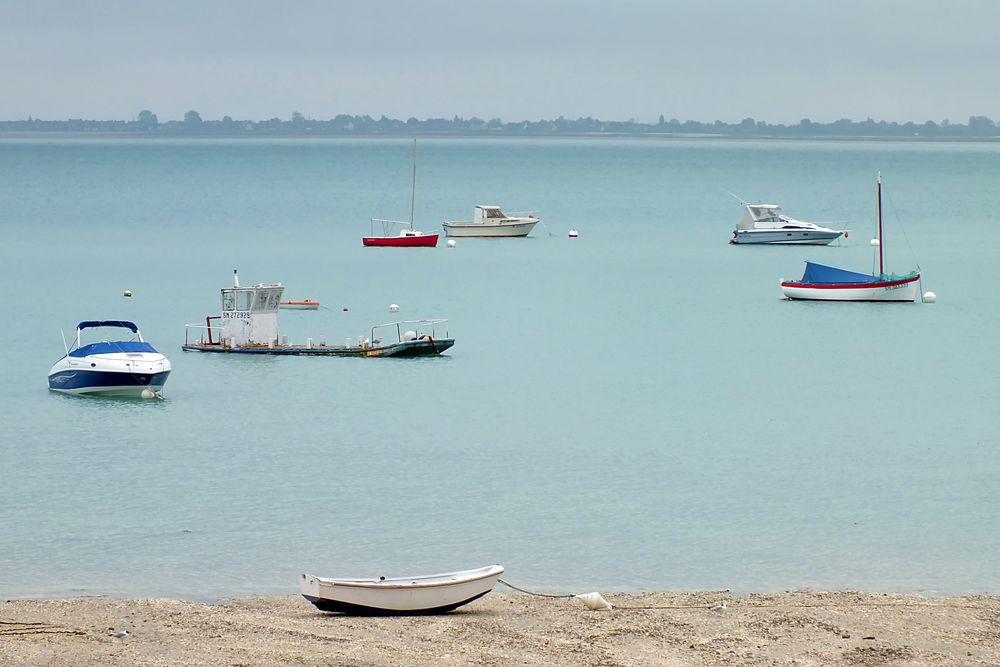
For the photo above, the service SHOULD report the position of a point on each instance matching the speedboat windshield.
(113, 344)
(766, 213)
(94, 324)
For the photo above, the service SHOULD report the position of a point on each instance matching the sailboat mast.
(881, 270)
(413, 188)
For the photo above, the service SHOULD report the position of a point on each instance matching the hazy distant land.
(147, 123)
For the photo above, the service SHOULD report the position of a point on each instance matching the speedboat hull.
(903, 290)
(784, 236)
(507, 229)
(108, 383)
(427, 594)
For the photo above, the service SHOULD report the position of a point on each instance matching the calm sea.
(633, 409)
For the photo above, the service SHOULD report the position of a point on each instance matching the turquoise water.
(633, 409)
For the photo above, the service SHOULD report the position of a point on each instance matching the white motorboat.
(425, 594)
(490, 221)
(129, 368)
(766, 223)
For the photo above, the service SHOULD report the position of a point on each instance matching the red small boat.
(408, 237)
(304, 304)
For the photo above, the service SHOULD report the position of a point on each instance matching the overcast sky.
(773, 60)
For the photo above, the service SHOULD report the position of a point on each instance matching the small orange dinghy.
(304, 304)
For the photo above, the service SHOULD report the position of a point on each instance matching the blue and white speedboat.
(766, 224)
(129, 368)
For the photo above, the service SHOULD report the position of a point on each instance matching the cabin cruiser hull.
(903, 291)
(784, 236)
(481, 230)
(430, 594)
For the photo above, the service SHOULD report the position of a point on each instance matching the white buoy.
(573, 234)
(451, 243)
(930, 297)
(148, 393)
(128, 292)
(594, 601)
(875, 243)
(393, 308)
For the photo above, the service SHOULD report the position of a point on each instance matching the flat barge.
(249, 325)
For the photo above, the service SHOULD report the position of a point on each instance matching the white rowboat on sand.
(424, 594)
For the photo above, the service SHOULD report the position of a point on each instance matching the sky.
(777, 61)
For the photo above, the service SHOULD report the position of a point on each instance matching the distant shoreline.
(146, 123)
(646, 136)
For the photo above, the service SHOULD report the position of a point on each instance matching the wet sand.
(509, 628)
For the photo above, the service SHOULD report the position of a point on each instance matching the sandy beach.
(510, 628)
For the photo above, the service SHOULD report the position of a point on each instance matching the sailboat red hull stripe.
(892, 283)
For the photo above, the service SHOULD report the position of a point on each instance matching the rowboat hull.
(429, 594)
(299, 305)
(904, 290)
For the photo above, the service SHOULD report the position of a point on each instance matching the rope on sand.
(713, 607)
(596, 602)
(541, 595)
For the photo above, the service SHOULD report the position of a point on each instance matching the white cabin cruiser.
(490, 221)
(129, 368)
(765, 223)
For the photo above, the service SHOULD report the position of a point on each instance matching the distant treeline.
(146, 123)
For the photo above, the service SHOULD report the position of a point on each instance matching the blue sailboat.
(828, 283)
